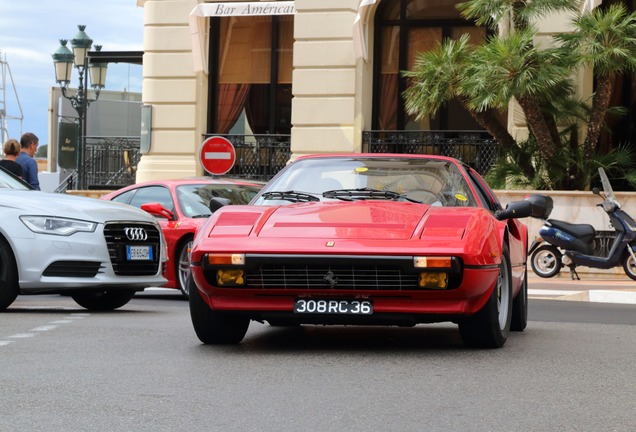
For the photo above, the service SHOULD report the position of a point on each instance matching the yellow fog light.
(433, 280)
(230, 277)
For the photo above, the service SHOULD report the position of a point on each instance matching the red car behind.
(181, 207)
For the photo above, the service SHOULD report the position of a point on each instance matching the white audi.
(98, 252)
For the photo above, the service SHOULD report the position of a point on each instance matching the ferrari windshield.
(429, 181)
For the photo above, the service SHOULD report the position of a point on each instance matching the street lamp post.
(64, 59)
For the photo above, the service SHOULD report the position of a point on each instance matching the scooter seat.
(580, 231)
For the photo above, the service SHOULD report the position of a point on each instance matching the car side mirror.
(156, 209)
(515, 210)
(218, 202)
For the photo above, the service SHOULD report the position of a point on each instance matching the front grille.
(115, 234)
(337, 278)
(79, 269)
(332, 272)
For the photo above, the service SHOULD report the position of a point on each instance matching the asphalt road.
(143, 369)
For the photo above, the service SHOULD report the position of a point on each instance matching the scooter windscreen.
(607, 187)
(610, 203)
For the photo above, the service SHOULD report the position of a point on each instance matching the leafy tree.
(562, 149)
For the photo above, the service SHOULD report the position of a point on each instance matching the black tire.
(103, 300)
(182, 265)
(214, 327)
(546, 261)
(520, 307)
(629, 265)
(8, 276)
(489, 328)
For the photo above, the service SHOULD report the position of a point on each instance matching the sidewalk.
(591, 288)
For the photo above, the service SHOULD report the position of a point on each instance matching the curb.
(594, 296)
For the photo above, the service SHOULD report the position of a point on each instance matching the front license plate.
(139, 253)
(333, 306)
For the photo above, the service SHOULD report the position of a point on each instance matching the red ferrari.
(181, 207)
(364, 239)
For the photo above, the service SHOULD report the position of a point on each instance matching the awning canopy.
(132, 57)
(198, 19)
(361, 30)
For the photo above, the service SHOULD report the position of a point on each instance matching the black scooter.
(562, 243)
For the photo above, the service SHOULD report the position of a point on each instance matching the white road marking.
(555, 293)
(22, 335)
(43, 328)
(625, 297)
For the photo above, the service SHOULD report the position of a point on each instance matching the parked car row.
(347, 239)
(101, 252)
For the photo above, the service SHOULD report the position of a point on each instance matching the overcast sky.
(30, 31)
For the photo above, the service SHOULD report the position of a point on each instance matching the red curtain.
(231, 103)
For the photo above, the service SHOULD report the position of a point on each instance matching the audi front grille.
(120, 236)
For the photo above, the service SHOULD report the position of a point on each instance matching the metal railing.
(110, 163)
(475, 148)
(258, 157)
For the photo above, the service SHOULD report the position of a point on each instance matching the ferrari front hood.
(362, 219)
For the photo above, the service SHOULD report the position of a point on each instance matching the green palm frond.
(435, 75)
(491, 12)
(508, 66)
(605, 39)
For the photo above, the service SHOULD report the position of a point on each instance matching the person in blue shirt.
(29, 145)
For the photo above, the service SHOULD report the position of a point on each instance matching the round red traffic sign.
(217, 155)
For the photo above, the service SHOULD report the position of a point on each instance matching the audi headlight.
(57, 225)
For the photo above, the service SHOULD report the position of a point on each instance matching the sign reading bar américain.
(249, 8)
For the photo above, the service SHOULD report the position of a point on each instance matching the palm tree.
(511, 66)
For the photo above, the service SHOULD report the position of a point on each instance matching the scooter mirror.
(596, 191)
(515, 210)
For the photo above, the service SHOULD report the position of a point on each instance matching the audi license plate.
(139, 253)
(333, 306)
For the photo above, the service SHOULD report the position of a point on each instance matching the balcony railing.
(475, 148)
(259, 157)
(111, 161)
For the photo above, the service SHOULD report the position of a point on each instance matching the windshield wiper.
(365, 193)
(291, 196)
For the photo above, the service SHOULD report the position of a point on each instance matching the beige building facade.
(331, 57)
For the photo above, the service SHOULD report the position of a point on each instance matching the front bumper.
(85, 261)
(413, 305)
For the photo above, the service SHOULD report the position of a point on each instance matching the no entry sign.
(217, 155)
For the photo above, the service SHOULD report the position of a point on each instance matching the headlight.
(56, 225)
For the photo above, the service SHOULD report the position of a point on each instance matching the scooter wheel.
(546, 261)
(629, 265)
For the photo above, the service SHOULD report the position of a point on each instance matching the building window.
(250, 75)
(405, 28)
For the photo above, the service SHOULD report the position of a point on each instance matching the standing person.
(11, 151)
(29, 143)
